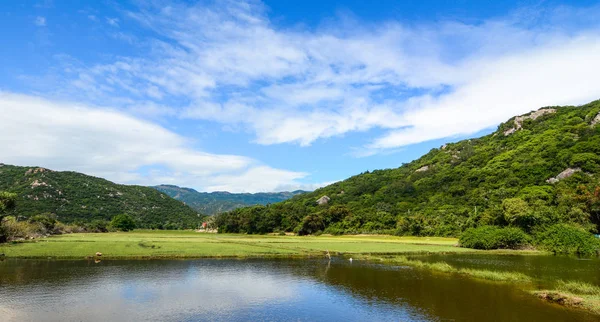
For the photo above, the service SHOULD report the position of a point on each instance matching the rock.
(422, 169)
(98, 254)
(563, 175)
(533, 115)
(2, 255)
(38, 183)
(510, 131)
(595, 121)
(323, 200)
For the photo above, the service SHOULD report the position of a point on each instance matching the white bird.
(350, 259)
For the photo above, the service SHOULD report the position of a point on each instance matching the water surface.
(547, 269)
(256, 290)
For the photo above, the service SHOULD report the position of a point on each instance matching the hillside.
(536, 169)
(76, 197)
(212, 203)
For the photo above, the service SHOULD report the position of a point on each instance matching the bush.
(335, 229)
(492, 237)
(565, 239)
(97, 226)
(47, 221)
(123, 223)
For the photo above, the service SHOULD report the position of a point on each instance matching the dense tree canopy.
(510, 178)
(123, 223)
(77, 198)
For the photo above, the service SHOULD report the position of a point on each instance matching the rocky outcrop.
(533, 115)
(596, 120)
(38, 183)
(323, 200)
(563, 175)
(422, 169)
(36, 170)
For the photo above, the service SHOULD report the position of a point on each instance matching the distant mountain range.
(211, 203)
(76, 197)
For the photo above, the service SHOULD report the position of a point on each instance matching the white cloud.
(417, 82)
(112, 21)
(107, 143)
(228, 63)
(497, 89)
(40, 21)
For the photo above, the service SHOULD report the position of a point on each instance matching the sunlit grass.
(500, 276)
(190, 244)
(576, 287)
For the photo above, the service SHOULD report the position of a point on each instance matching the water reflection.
(251, 290)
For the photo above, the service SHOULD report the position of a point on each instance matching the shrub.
(565, 239)
(491, 237)
(47, 221)
(97, 226)
(123, 222)
(335, 229)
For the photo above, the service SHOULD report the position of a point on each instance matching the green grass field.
(189, 244)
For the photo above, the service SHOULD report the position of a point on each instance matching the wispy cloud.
(112, 21)
(230, 64)
(40, 21)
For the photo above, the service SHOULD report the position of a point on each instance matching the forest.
(534, 171)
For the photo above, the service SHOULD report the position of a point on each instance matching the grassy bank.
(573, 294)
(447, 268)
(189, 244)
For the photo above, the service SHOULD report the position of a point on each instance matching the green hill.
(77, 197)
(212, 203)
(534, 170)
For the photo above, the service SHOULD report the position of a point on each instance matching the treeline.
(14, 228)
(533, 172)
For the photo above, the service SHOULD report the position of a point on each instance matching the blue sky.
(277, 95)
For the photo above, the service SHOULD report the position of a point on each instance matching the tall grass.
(447, 268)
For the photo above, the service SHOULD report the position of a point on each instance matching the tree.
(7, 203)
(123, 222)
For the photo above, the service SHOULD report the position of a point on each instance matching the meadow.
(190, 244)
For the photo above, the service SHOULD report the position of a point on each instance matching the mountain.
(534, 170)
(75, 197)
(212, 203)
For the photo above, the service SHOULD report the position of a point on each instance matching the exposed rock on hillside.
(533, 115)
(596, 120)
(563, 175)
(323, 200)
(422, 169)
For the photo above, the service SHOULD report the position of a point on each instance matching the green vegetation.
(212, 203)
(189, 244)
(564, 239)
(574, 294)
(499, 276)
(79, 199)
(544, 172)
(578, 288)
(123, 223)
(492, 237)
(7, 203)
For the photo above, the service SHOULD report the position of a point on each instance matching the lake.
(262, 290)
